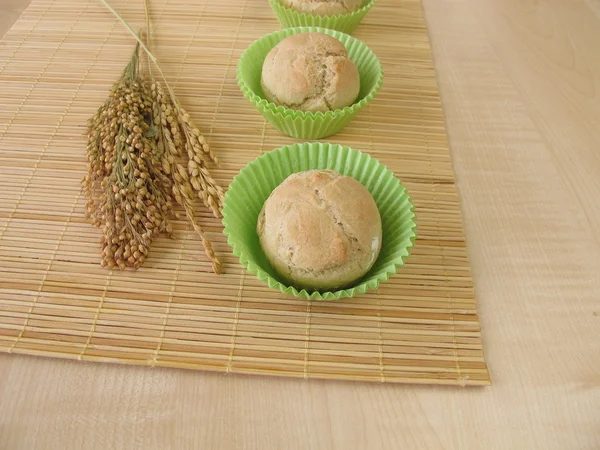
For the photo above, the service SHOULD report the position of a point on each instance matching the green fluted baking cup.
(347, 23)
(303, 124)
(255, 182)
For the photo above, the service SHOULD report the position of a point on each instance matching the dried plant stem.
(133, 33)
(143, 147)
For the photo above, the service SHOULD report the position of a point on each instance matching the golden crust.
(320, 230)
(323, 7)
(310, 72)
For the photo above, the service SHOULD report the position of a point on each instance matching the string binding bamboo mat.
(56, 66)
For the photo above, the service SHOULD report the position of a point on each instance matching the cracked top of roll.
(323, 7)
(310, 72)
(320, 230)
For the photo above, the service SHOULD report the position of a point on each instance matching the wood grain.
(595, 5)
(519, 82)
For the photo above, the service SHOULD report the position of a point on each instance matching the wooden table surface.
(520, 83)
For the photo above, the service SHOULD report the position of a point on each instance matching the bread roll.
(310, 72)
(323, 7)
(320, 230)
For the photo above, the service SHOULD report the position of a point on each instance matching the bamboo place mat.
(56, 66)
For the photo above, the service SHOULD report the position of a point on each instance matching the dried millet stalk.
(127, 193)
(134, 148)
(171, 140)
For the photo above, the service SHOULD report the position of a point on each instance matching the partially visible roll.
(323, 7)
(310, 72)
(320, 230)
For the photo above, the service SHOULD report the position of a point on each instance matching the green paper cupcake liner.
(255, 182)
(347, 23)
(302, 124)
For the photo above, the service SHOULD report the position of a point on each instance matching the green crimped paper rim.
(254, 183)
(347, 23)
(307, 124)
